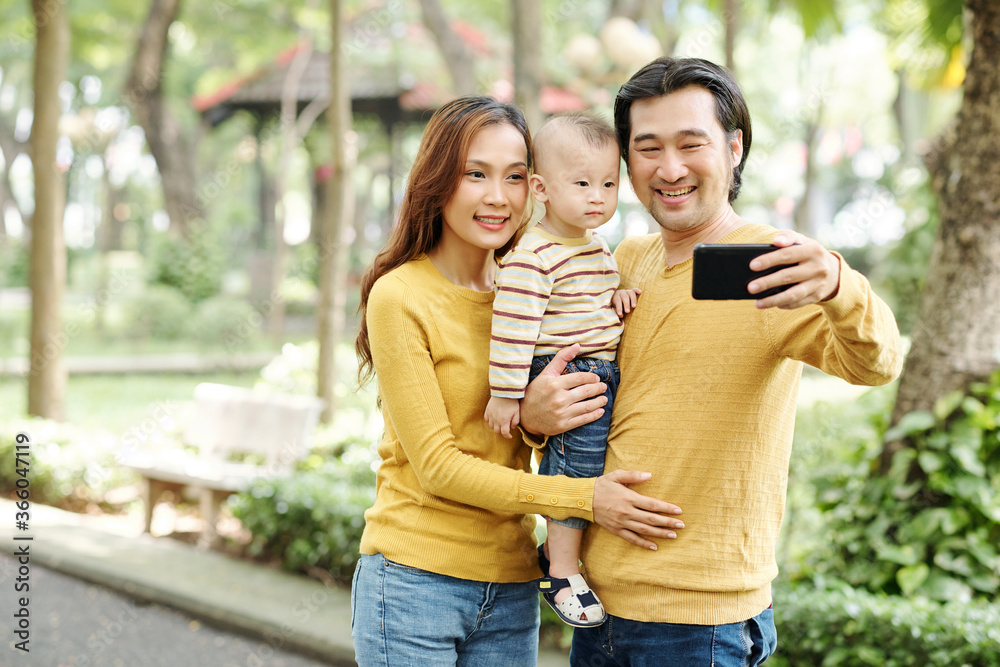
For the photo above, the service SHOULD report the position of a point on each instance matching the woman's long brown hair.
(434, 178)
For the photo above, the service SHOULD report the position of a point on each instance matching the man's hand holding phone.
(814, 276)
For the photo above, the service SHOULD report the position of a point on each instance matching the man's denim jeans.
(620, 642)
(407, 616)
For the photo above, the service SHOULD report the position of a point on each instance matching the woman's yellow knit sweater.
(453, 497)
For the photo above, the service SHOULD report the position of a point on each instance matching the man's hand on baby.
(503, 415)
(624, 300)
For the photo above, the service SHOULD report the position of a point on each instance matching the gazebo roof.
(375, 88)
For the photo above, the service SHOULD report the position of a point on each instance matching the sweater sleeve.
(412, 402)
(853, 336)
(523, 290)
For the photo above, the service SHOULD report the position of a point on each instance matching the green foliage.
(159, 312)
(194, 265)
(70, 466)
(844, 627)
(313, 518)
(13, 265)
(231, 321)
(930, 526)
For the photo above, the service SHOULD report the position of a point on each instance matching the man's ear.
(736, 146)
(537, 186)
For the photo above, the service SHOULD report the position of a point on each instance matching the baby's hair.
(594, 129)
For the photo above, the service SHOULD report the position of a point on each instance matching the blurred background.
(210, 179)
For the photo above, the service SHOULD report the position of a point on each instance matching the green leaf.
(957, 564)
(911, 578)
(904, 555)
(930, 461)
(940, 586)
(947, 404)
(969, 459)
(910, 424)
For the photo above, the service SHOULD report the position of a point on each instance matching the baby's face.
(581, 187)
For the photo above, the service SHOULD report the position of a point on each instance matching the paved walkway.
(286, 610)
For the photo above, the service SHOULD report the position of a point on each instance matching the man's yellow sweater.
(452, 495)
(707, 404)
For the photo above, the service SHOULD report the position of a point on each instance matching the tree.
(457, 55)
(339, 211)
(526, 23)
(956, 339)
(47, 378)
(170, 146)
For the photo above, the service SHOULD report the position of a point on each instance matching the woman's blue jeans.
(406, 616)
(620, 642)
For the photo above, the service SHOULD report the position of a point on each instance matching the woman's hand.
(554, 403)
(631, 515)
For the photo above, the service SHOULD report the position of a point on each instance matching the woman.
(448, 552)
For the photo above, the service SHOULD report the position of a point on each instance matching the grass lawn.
(116, 402)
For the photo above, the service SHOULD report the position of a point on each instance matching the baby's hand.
(503, 415)
(624, 300)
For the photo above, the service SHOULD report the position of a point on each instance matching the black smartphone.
(722, 271)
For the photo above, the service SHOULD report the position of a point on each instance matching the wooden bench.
(269, 432)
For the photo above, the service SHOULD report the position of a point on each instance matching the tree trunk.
(339, 213)
(172, 150)
(526, 23)
(289, 142)
(457, 56)
(731, 17)
(956, 339)
(47, 379)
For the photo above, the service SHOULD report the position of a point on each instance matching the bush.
(931, 526)
(194, 265)
(850, 628)
(159, 312)
(313, 519)
(227, 320)
(68, 466)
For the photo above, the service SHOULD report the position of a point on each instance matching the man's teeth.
(678, 193)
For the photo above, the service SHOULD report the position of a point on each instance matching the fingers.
(631, 515)
(561, 359)
(813, 276)
(584, 418)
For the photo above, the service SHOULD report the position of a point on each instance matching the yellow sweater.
(707, 404)
(452, 496)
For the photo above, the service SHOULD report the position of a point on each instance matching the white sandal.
(582, 602)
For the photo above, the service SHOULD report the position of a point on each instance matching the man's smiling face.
(680, 158)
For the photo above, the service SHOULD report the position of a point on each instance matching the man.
(708, 389)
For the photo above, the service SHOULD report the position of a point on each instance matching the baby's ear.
(537, 186)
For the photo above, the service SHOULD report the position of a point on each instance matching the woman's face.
(486, 209)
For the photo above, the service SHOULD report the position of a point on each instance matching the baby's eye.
(609, 184)
(582, 184)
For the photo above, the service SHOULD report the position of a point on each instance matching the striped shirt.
(551, 292)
